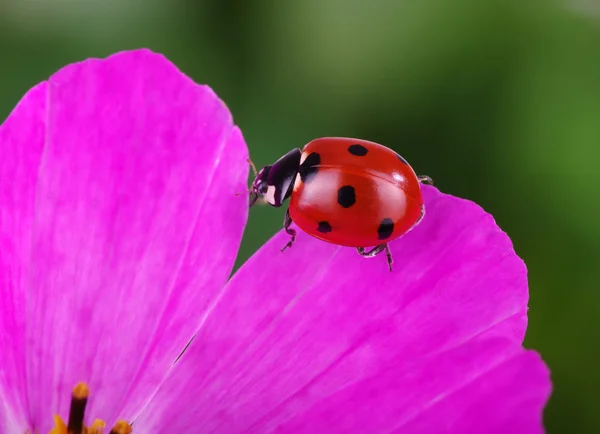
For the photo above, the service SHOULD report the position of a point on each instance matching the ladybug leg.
(375, 251)
(388, 255)
(287, 222)
(425, 179)
(420, 217)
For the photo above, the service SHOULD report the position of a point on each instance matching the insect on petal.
(319, 339)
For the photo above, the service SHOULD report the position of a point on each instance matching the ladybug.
(344, 191)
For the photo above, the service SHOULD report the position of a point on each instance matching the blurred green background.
(497, 100)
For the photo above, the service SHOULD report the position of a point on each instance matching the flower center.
(79, 399)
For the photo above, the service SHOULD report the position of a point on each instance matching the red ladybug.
(345, 191)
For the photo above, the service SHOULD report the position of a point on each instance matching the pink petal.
(136, 229)
(298, 338)
(21, 144)
(484, 386)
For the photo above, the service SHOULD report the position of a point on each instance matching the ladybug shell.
(354, 193)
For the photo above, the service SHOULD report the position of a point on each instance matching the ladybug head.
(259, 186)
(273, 184)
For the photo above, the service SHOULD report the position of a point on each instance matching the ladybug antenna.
(252, 200)
(245, 192)
(252, 166)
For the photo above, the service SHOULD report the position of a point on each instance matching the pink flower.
(119, 227)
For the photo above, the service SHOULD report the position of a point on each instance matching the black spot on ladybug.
(346, 196)
(386, 228)
(401, 159)
(324, 227)
(358, 150)
(308, 169)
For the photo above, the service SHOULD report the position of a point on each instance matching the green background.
(497, 100)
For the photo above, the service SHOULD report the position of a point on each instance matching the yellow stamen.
(96, 428)
(121, 427)
(81, 391)
(59, 426)
(79, 399)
